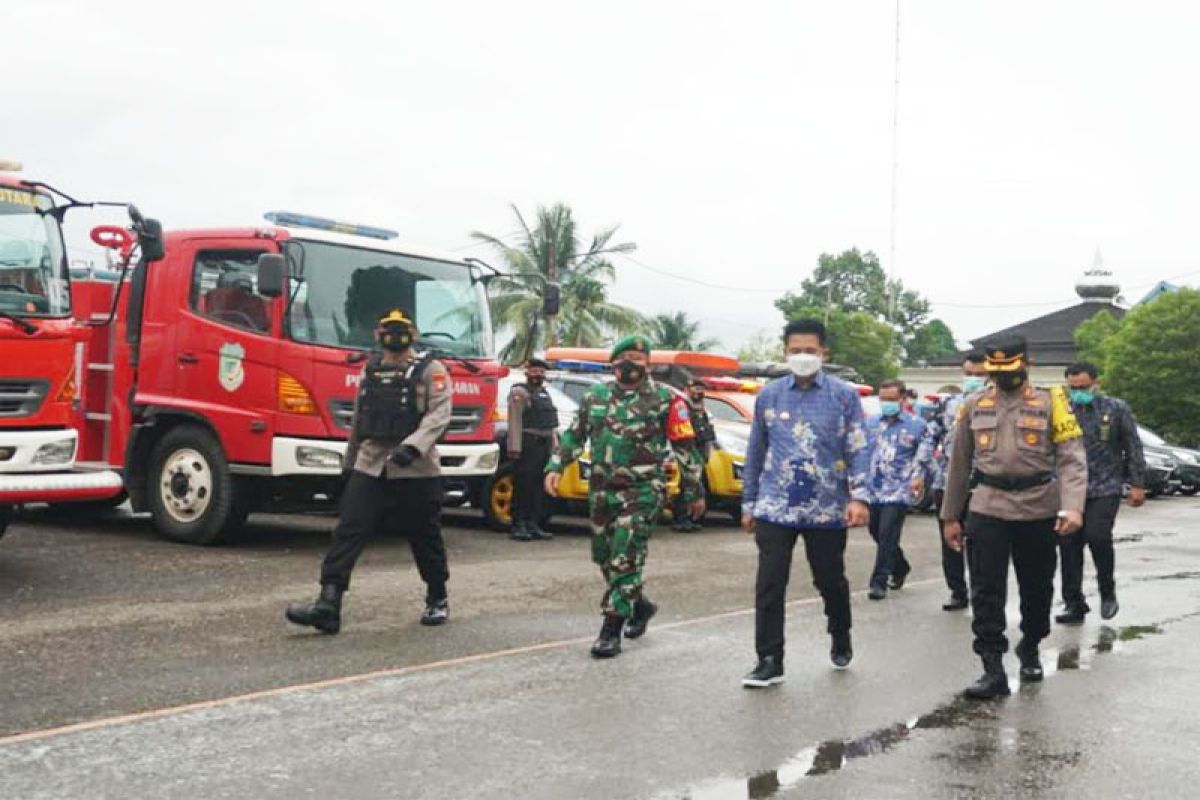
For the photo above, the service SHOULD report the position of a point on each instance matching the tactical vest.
(705, 434)
(387, 400)
(540, 414)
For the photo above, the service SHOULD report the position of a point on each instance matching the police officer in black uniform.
(682, 520)
(532, 433)
(392, 473)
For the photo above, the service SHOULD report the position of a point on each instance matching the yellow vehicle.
(723, 470)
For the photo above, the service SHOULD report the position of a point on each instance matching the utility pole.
(552, 275)
(895, 162)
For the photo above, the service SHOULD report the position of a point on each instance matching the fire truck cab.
(227, 383)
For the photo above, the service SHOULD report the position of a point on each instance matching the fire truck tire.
(498, 498)
(5, 516)
(190, 488)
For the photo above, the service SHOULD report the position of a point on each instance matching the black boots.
(520, 531)
(1109, 606)
(325, 614)
(1072, 615)
(436, 612)
(957, 602)
(841, 652)
(768, 672)
(1031, 665)
(608, 643)
(993, 683)
(643, 610)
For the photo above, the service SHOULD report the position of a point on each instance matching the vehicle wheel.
(5, 516)
(1189, 489)
(190, 487)
(498, 498)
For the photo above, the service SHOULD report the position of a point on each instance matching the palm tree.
(548, 253)
(677, 332)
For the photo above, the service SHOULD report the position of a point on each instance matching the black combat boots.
(643, 610)
(993, 683)
(841, 652)
(1031, 665)
(608, 643)
(325, 614)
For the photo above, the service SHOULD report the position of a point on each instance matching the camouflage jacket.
(630, 431)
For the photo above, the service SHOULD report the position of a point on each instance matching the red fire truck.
(43, 346)
(225, 384)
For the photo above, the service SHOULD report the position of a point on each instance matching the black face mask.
(536, 381)
(629, 372)
(396, 338)
(697, 398)
(1011, 381)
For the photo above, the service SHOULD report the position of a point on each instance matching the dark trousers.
(529, 478)
(954, 562)
(825, 549)
(886, 525)
(1099, 516)
(1031, 546)
(370, 505)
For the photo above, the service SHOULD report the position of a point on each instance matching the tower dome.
(1097, 285)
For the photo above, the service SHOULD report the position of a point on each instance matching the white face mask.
(804, 364)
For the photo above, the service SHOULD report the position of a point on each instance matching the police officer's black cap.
(1005, 353)
(536, 362)
(696, 383)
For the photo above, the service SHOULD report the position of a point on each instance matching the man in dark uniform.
(393, 473)
(1114, 458)
(1023, 448)
(532, 426)
(681, 517)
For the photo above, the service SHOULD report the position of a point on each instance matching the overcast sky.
(732, 142)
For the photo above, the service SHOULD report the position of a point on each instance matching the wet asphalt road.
(104, 620)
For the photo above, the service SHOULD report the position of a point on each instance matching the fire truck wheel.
(190, 486)
(498, 498)
(5, 516)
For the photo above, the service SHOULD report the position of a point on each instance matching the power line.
(698, 282)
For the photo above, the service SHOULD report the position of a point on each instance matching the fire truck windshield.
(33, 264)
(338, 293)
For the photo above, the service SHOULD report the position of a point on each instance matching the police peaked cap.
(1005, 354)
(394, 316)
(638, 344)
(536, 362)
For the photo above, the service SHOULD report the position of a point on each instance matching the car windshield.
(1150, 437)
(339, 292)
(33, 264)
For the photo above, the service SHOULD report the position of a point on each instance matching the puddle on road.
(833, 755)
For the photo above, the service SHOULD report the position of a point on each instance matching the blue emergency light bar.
(291, 219)
(574, 365)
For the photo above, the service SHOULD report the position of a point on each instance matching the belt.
(1013, 483)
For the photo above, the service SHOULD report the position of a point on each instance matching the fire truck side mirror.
(150, 238)
(550, 300)
(271, 268)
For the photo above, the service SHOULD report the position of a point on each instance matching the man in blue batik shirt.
(805, 477)
(901, 445)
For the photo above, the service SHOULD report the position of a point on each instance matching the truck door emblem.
(229, 366)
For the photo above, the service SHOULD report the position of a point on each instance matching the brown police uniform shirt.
(1013, 435)
(434, 399)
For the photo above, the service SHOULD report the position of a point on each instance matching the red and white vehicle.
(42, 351)
(226, 382)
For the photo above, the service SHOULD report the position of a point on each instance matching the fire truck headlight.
(489, 460)
(56, 452)
(318, 457)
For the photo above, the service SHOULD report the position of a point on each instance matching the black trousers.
(1031, 547)
(1099, 516)
(370, 505)
(886, 525)
(529, 478)
(825, 549)
(954, 562)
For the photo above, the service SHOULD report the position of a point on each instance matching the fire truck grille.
(22, 397)
(463, 419)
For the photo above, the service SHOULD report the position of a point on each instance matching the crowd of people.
(1018, 474)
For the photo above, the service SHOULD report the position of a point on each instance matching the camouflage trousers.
(621, 524)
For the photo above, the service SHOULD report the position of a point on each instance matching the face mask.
(536, 380)
(697, 398)
(1082, 396)
(1011, 381)
(629, 372)
(973, 383)
(396, 338)
(890, 408)
(804, 365)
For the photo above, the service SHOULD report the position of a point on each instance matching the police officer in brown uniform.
(1023, 450)
(393, 473)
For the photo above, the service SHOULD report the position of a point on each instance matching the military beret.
(639, 344)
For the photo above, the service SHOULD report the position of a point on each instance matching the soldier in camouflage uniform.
(630, 422)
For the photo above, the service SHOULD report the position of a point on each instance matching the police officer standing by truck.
(532, 428)
(392, 473)
(1024, 450)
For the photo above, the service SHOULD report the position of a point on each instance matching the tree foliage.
(1152, 360)
(1092, 337)
(676, 331)
(763, 346)
(550, 248)
(930, 342)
